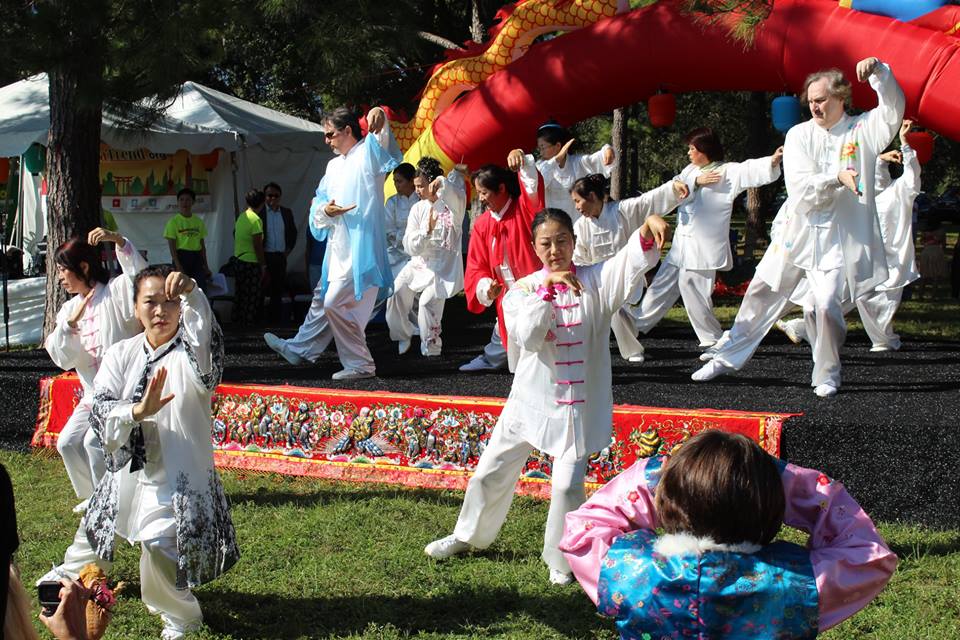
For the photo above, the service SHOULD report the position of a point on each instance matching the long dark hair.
(73, 252)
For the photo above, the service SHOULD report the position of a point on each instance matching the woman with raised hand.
(100, 314)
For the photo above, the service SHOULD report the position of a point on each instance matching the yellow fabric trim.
(423, 146)
(954, 30)
(846, 4)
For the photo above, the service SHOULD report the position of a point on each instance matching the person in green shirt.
(185, 233)
(251, 264)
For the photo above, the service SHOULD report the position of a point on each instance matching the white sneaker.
(881, 348)
(560, 577)
(825, 390)
(353, 374)
(280, 346)
(789, 329)
(478, 364)
(708, 355)
(82, 507)
(172, 633)
(446, 548)
(403, 347)
(710, 371)
(638, 358)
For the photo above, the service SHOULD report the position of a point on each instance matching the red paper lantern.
(209, 160)
(662, 108)
(4, 169)
(922, 143)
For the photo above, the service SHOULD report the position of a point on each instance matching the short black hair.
(272, 185)
(405, 170)
(341, 118)
(152, 271)
(255, 198)
(706, 141)
(187, 191)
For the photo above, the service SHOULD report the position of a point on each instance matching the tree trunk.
(73, 174)
(756, 203)
(618, 179)
(477, 30)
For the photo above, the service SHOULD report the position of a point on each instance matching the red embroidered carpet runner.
(405, 439)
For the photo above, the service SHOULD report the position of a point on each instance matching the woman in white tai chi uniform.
(561, 402)
(98, 316)
(152, 412)
(435, 269)
(701, 244)
(561, 169)
(604, 228)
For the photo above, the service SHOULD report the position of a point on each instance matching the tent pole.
(233, 175)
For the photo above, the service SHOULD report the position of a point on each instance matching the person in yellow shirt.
(250, 264)
(185, 233)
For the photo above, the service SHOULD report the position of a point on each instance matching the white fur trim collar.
(686, 544)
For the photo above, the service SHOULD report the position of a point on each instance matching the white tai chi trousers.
(876, 313)
(314, 335)
(759, 311)
(624, 329)
(826, 327)
(491, 488)
(178, 608)
(81, 452)
(429, 316)
(340, 316)
(695, 287)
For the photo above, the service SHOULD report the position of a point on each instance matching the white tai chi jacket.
(827, 226)
(436, 256)
(701, 241)
(160, 480)
(395, 223)
(602, 237)
(557, 180)
(561, 397)
(895, 209)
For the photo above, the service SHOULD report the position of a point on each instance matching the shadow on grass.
(912, 550)
(274, 497)
(566, 610)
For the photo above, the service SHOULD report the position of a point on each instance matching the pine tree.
(128, 57)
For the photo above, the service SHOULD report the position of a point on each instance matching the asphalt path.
(891, 435)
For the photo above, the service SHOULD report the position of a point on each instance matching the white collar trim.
(687, 544)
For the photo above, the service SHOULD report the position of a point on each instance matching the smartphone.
(48, 592)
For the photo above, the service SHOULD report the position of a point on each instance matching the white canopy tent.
(259, 145)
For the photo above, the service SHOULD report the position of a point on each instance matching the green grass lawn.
(329, 560)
